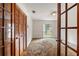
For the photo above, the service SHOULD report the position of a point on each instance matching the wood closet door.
(25, 36)
(7, 28)
(16, 31)
(12, 31)
(1, 30)
(21, 33)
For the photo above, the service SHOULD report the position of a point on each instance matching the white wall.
(29, 31)
(38, 27)
(29, 23)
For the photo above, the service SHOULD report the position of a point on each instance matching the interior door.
(25, 32)
(21, 33)
(67, 29)
(16, 31)
(7, 28)
(12, 30)
(1, 31)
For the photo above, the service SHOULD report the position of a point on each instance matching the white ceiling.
(43, 10)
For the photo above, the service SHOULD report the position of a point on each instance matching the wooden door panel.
(21, 32)
(7, 6)
(1, 51)
(1, 37)
(21, 45)
(1, 29)
(0, 32)
(16, 31)
(25, 32)
(7, 28)
(13, 36)
(12, 30)
(1, 13)
(7, 49)
(12, 25)
(17, 47)
(16, 39)
(0, 4)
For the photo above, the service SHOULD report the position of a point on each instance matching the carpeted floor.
(42, 47)
(46, 47)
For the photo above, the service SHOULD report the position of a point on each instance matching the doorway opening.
(47, 31)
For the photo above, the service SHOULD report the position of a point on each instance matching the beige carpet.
(42, 47)
(46, 47)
